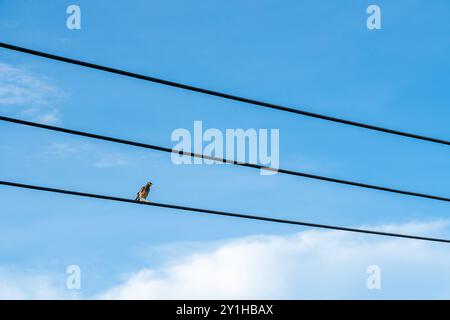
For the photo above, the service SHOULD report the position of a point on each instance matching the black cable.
(244, 164)
(221, 94)
(215, 212)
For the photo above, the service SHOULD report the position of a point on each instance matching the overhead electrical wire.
(222, 95)
(221, 213)
(244, 164)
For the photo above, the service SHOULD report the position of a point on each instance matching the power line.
(222, 95)
(244, 164)
(216, 212)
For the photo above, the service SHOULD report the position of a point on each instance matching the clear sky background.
(314, 56)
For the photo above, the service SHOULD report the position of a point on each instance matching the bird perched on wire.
(143, 193)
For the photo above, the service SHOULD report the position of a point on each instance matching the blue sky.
(317, 57)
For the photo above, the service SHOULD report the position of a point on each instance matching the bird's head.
(149, 184)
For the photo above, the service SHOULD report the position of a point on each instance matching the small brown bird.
(143, 193)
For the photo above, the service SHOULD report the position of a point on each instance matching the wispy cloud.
(29, 95)
(88, 152)
(64, 149)
(112, 160)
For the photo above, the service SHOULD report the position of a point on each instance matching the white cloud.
(29, 95)
(29, 286)
(310, 264)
